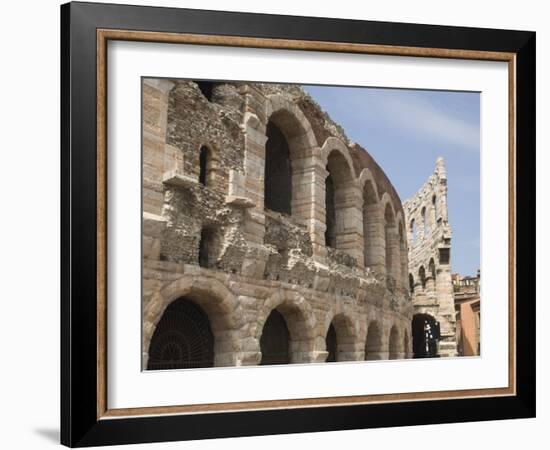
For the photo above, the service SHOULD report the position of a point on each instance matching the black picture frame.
(80, 425)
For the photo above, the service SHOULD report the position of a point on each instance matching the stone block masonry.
(326, 249)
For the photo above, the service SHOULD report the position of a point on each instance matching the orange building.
(467, 307)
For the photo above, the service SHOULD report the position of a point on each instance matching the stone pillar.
(157, 155)
(373, 233)
(431, 294)
(404, 266)
(254, 216)
(308, 200)
(349, 221)
(446, 316)
(392, 252)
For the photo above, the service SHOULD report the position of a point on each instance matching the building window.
(411, 283)
(413, 232)
(205, 165)
(206, 88)
(207, 248)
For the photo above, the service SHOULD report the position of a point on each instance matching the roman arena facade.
(268, 236)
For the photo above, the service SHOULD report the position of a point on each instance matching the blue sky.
(406, 131)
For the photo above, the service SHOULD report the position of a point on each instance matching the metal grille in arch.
(182, 339)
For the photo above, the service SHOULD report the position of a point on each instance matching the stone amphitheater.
(268, 236)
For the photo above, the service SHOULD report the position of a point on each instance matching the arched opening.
(422, 277)
(205, 165)
(336, 183)
(434, 210)
(330, 232)
(411, 283)
(431, 268)
(274, 343)
(278, 175)
(341, 339)
(371, 219)
(207, 248)
(373, 346)
(413, 232)
(332, 344)
(182, 339)
(425, 225)
(394, 343)
(206, 88)
(426, 334)
(392, 249)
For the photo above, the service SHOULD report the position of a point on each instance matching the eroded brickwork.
(208, 237)
(429, 237)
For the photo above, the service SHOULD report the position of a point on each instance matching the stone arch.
(300, 321)
(346, 328)
(393, 345)
(412, 232)
(373, 230)
(391, 238)
(297, 127)
(425, 225)
(431, 282)
(333, 143)
(182, 339)
(411, 284)
(423, 347)
(374, 349)
(285, 116)
(283, 174)
(217, 301)
(342, 200)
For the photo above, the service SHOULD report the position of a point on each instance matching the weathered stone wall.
(260, 260)
(429, 237)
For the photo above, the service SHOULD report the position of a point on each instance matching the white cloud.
(422, 118)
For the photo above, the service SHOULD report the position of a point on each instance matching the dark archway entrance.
(278, 180)
(182, 339)
(426, 334)
(274, 343)
(332, 344)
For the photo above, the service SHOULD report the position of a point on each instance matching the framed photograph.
(278, 224)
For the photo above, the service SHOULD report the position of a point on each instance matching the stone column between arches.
(308, 202)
